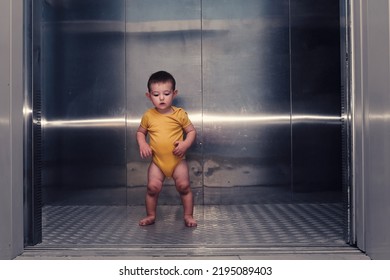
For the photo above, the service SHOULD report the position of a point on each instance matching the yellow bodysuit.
(164, 131)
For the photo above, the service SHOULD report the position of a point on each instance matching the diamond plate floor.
(219, 225)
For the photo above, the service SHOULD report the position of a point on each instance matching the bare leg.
(182, 182)
(155, 183)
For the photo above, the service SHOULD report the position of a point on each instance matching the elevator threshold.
(270, 252)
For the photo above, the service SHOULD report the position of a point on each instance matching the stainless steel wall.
(316, 96)
(11, 129)
(371, 103)
(84, 101)
(251, 76)
(246, 101)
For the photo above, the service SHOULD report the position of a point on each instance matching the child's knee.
(183, 188)
(154, 188)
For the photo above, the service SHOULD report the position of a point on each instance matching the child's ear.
(147, 95)
(175, 92)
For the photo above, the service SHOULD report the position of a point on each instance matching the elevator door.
(260, 81)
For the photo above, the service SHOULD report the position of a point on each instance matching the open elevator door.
(239, 70)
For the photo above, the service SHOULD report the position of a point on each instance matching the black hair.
(161, 77)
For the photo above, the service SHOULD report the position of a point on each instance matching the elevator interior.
(260, 79)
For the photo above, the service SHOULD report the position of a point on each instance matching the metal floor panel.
(218, 225)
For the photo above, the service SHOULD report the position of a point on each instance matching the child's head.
(161, 91)
(161, 77)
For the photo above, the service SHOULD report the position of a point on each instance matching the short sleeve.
(145, 121)
(184, 119)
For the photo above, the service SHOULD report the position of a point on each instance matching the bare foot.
(147, 221)
(189, 221)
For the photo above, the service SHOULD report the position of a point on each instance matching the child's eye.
(156, 93)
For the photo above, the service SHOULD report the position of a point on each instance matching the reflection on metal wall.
(315, 87)
(246, 94)
(84, 101)
(232, 64)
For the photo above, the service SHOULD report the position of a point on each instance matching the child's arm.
(144, 149)
(181, 147)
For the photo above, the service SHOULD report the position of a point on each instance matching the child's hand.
(180, 148)
(145, 151)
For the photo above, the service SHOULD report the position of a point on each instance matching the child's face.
(162, 96)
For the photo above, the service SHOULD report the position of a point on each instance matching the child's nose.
(161, 96)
